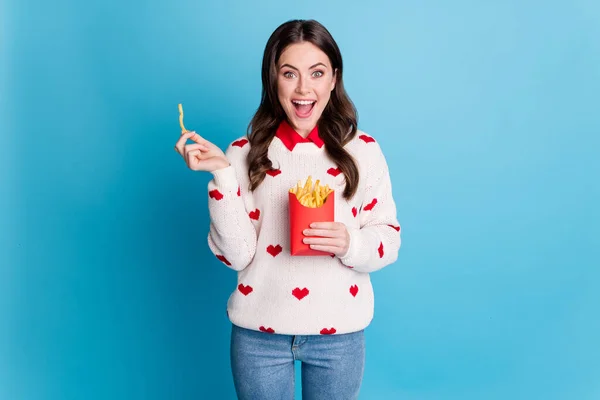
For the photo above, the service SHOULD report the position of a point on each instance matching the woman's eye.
(288, 74)
(318, 74)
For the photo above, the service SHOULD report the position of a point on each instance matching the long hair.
(338, 123)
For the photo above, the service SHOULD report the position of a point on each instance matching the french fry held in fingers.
(183, 130)
(309, 195)
(308, 203)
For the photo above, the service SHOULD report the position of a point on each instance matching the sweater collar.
(290, 137)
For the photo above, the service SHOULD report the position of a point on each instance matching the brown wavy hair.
(338, 123)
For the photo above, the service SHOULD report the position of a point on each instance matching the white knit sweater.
(249, 232)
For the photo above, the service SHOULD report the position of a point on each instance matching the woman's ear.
(334, 79)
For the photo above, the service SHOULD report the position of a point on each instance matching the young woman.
(308, 308)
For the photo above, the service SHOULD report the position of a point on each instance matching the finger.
(192, 135)
(322, 233)
(323, 241)
(193, 158)
(182, 140)
(197, 138)
(195, 154)
(190, 147)
(326, 249)
(326, 225)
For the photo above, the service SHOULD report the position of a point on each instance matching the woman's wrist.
(221, 164)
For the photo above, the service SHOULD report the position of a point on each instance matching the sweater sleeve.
(376, 243)
(232, 236)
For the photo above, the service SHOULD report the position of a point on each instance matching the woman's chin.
(304, 124)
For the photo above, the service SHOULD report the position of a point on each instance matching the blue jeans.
(263, 365)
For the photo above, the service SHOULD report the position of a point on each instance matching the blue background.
(488, 113)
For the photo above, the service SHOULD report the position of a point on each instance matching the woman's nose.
(302, 85)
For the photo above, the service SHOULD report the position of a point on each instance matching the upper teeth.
(303, 102)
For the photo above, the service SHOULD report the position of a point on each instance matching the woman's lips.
(303, 108)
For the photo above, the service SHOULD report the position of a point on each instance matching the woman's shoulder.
(238, 147)
(237, 154)
(241, 143)
(364, 146)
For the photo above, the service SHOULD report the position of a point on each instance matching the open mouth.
(304, 107)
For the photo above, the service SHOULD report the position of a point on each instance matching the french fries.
(309, 195)
(183, 130)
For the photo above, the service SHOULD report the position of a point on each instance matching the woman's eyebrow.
(313, 66)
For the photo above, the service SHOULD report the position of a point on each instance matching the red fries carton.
(301, 216)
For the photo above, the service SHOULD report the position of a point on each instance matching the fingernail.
(305, 232)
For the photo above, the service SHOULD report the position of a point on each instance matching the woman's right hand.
(201, 155)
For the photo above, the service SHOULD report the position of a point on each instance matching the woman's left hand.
(330, 237)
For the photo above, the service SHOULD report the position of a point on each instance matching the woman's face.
(305, 80)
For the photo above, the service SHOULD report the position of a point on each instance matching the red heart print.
(267, 330)
(395, 227)
(224, 260)
(274, 172)
(239, 193)
(245, 289)
(370, 206)
(240, 143)
(274, 250)
(354, 211)
(334, 171)
(353, 290)
(380, 249)
(300, 293)
(215, 194)
(254, 214)
(367, 139)
(326, 331)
